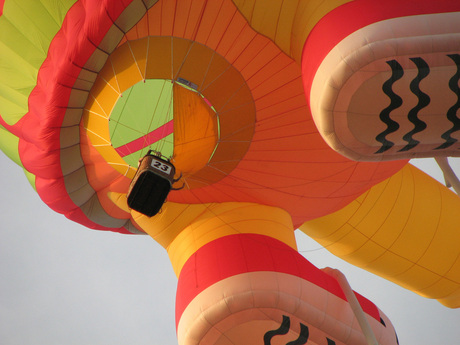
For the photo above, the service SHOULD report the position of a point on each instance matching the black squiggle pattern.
(303, 336)
(283, 329)
(423, 101)
(396, 102)
(452, 112)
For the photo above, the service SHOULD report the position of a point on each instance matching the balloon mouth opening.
(166, 116)
(190, 104)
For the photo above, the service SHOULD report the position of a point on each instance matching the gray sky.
(61, 283)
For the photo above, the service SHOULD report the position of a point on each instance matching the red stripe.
(146, 140)
(2, 3)
(39, 130)
(352, 16)
(237, 254)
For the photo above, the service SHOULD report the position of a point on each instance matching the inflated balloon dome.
(276, 115)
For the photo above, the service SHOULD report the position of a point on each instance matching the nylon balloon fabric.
(276, 116)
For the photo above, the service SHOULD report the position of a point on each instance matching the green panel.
(143, 108)
(26, 31)
(13, 104)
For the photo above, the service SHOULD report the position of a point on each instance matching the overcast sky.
(61, 283)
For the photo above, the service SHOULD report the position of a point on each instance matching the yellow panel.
(366, 203)
(371, 251)
(286, 19)
(442, 253)
(416, 243)
(227, 219)
(393, 215)
(167, 224)
(324, 227)
(309, 13)
(447, 286)
(93, 107)
(420, 277)
(102, 98)
(333, 240)
(390, 263)
(99, 125)
(183, 229)
(108, 76)
(139, 49)
(91, 123)
(125, 67)
(287, 23)
(265, 18)
(418, 232)
(348, 243)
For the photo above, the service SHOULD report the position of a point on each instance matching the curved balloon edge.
(52, 145)
(381, 232)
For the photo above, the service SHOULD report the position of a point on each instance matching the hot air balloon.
(261, 118)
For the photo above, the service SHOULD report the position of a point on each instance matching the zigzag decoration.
(284, 329)
(452, 112)
(423, 101)
(395, 102)
(303, 336)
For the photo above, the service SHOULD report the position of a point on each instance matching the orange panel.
(180, 50)
(195, 131)
(208, 20)
(230, 128)
(215, 69)
(221, 24)
(193, 71)
(168, 9)
(245, 38)
(232, 35)
(181, 17)
(246, 55)
(155, 19)
(159, 65)
(194, 18)
(223, 88)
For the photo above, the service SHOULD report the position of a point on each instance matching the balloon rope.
(354, 304)
(449, 174)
